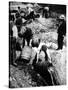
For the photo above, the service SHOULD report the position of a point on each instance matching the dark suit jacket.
(62, 29)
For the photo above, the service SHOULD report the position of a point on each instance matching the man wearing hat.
(46, 12)
(61, 32)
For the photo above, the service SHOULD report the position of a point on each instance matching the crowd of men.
(27, 48)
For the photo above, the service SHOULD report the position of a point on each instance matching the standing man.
(18, 19)
(61, 32)
(46, 12)
(26, 34)
(30, 13)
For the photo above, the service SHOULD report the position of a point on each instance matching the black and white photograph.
(37, 44)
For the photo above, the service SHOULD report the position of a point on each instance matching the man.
(15, 31)
(14, 36)
(46, 12)
(30, 12)
(18, 19)
(40, 47)
(35, 41)
(26, 34)
(30, 15)
(61, 32)
(41, 66)
(19, 9)
(41, 62)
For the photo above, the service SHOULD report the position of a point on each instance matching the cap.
(47, 8)
(62, 17)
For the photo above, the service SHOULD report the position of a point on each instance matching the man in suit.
(61, 32)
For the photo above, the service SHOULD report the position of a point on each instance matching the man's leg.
(23, 42)
(28, 42)
(60, 41)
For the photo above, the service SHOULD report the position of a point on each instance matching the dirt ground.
(27, 77)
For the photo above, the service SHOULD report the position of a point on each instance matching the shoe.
(58, 48)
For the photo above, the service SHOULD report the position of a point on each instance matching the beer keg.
(26, 53)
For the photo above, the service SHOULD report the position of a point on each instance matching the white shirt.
(15, 31)
(48, 53)
(30, 10)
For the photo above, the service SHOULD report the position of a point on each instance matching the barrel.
(26, 53)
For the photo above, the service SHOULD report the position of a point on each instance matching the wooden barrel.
(26, 53)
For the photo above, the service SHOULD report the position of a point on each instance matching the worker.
(61, 31)
(46, 12)
(26, 34)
